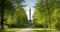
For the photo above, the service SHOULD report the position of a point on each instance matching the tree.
(40, 13)
(46, 12)
(5, 6)
(22, 20)
(19, 18)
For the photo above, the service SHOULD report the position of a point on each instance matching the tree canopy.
(12, 14)
(47, 13)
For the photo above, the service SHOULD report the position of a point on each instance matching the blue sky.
(29, 3)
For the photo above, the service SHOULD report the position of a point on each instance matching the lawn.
(12, 29)
(35, 29)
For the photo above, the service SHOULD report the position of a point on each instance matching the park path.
(26, 30)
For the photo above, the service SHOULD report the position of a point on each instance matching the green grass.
(12, 30)
(35, 29)
(42, 29)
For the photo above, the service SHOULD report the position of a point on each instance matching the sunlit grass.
(13, 29)
(35, 29)
(43, 29)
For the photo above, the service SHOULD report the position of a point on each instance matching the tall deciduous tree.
(5, 6)
(46, 12)
(22, 20)
(19, 18)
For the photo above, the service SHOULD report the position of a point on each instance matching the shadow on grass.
(2, 30)
(46, 31)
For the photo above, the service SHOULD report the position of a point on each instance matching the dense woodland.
(12, 15)
(46, 15)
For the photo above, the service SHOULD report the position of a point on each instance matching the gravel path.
(26, 30)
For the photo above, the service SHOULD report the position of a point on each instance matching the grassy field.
(13, 29)
(35, 29)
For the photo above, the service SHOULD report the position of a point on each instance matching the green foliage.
(18, 19)
(47, 13)
(5, 6)
(58, 26)
(14, 16)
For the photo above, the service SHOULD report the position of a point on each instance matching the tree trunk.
(2, 14)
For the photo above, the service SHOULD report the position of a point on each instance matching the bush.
(38, 26)
(17, 26)
(58, 26)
